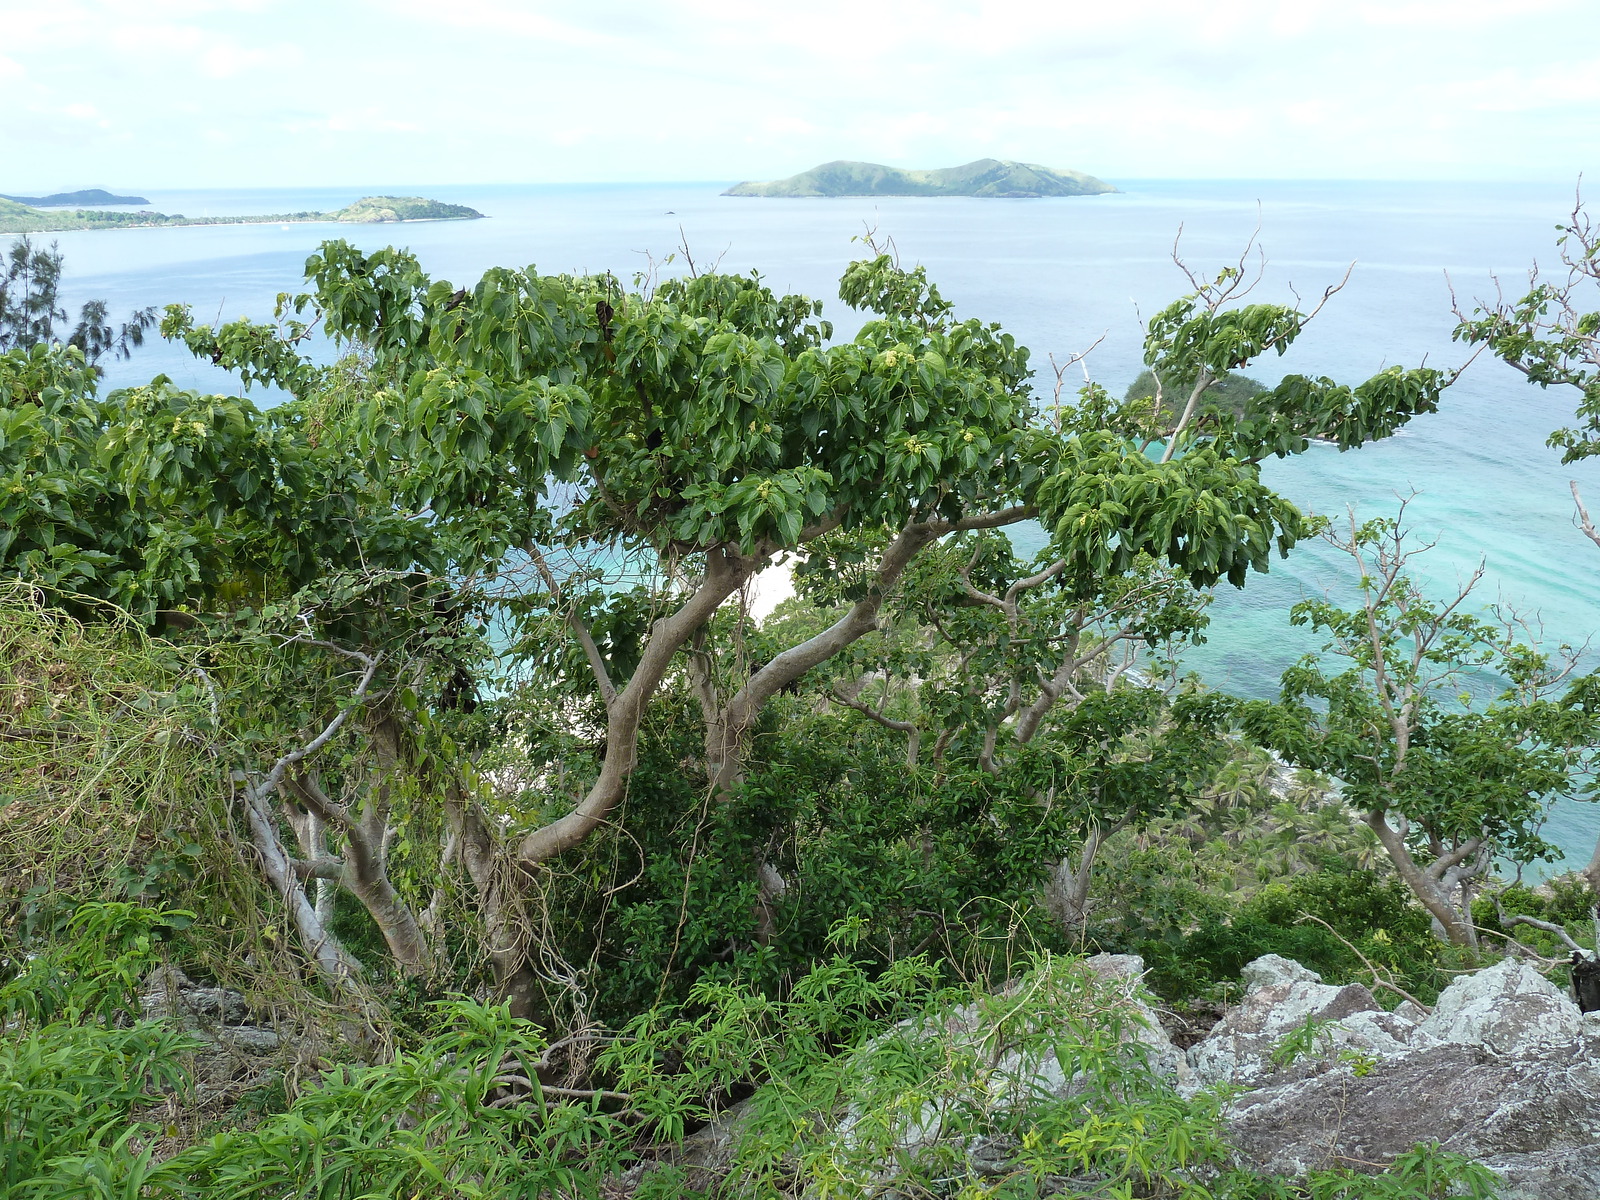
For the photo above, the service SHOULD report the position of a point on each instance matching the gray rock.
(1281, 996)
(220, 1016)
(1553, 1175)
(1378, 1033)
(168, 992)
(1508, 1008)
(1411, 1011)
(1126, 971)
(1534, 1115)
(246, 1039)
(1504, 1070)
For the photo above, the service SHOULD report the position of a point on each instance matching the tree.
(1552, 335)
(1000, 651)
(30, 309)
(348, 549)
(1447, 787)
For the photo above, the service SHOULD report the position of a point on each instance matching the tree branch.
(1584, 523)
(726, 572)
(597, 664)
(1561, 934)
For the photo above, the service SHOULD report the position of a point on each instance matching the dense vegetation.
(17, 217)
(428, 710)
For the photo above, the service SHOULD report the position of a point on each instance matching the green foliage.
(92, 972)
(1446, 782)
(70, 1073)
(425, 1122)
(1197, 945)
(948, 1101)
(106, 789)
(1229, 393)
(1566, 901)
(19, 218)
(503, 486)
(1549, 334)
(67, 1095)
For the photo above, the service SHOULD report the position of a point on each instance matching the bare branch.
(1561, 934)
(1378, 978)
(1584, 523)
(274, 777)
(319, 868)
(867, 710)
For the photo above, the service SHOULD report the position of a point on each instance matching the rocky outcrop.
(217, 1015)
(1280, 998)
(1126, 973)
(1507, 1009)
(1505, 1070)
(1530, 1118)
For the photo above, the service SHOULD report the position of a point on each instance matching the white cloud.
(713, 89)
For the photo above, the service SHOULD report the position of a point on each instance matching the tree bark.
(726, 572)
(333, 962)
(1066, 893)
(488, 865)
(366, 868)
(1427, 884)
(727, 737)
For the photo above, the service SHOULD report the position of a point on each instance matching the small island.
(87, 196)
(994, 178)
(20, 218)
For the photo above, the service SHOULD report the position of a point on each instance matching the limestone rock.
(1505, 1070)
(218, 1015)
(1535, 1116)
(1552, 1175)
(1591, 1037)
(1508, 1009)
(247, 1039)
(168, 992)
(1127, 972)
(1280, 997)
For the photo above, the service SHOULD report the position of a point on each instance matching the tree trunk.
(489, 866)
(726, 572)
(333, 962)
(728, 732)
(365, 872)
(1066, 893)
(1430, 889)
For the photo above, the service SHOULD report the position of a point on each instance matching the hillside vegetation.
(400, 797)
(19, 218)
(987, 177)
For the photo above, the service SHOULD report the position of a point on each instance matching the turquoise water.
(1058, 274)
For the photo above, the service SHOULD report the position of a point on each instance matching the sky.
(257, 93)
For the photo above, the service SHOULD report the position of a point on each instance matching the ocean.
(1057, 274)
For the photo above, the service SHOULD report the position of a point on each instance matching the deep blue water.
(1058, 274)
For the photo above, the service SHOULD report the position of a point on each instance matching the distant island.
(88, 196)
(20, 218)
(988, 177)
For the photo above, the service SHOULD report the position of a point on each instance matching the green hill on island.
(87, 196)
(19, 218)
(987, 177)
